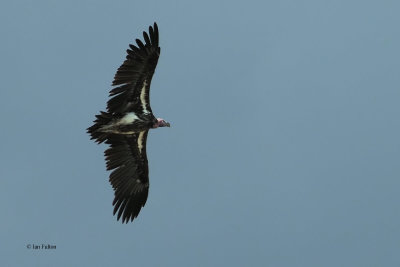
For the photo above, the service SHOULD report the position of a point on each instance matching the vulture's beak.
(164, 123)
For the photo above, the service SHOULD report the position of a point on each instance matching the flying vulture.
(125, 125)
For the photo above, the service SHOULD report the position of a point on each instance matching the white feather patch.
(143, 97)
(140, 141)
(128, 118)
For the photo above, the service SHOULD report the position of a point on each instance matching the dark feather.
(102, 119)
(130, 175)
(137, 69)
(146, 37)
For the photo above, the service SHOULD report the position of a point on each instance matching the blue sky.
(284, 147)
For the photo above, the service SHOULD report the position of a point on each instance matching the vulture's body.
(125, 125)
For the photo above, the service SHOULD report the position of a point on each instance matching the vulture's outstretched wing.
(130, 177)
(133, 77)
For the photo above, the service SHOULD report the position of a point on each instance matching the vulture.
(125, 124)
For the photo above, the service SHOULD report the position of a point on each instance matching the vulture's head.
(161, 123)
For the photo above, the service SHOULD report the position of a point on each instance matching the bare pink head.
(161, 123)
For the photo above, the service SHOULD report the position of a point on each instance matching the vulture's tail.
(102, 119)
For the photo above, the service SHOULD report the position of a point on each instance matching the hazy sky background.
(284, 148)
